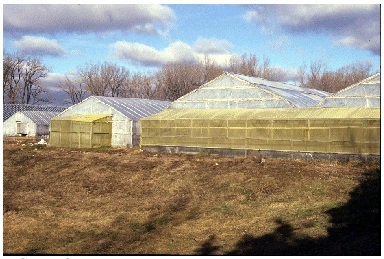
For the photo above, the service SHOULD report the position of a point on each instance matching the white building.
(123, 113)
(28, 123)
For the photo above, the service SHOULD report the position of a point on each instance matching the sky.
(144, 37)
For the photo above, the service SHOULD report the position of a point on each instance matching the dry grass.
(125, 201)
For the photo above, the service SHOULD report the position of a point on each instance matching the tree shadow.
(355, 229)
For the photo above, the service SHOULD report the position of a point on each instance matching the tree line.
(22, 78)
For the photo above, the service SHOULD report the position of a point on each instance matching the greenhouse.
(28, 123)
(10, 109)
(365, 94)
(233, 91)
(321, 130)
(115, 118)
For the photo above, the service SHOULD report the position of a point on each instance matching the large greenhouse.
(233, 91)
(365, 94)
(321, 130)
(103, 121)
(261, 116)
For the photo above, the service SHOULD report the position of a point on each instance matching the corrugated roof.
(133, 108)
(229, 91)
(10, 109)
(40, 117)
(366, 93)
(269, 114)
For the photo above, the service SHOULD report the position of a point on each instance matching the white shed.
(125, 114)
(28, 123)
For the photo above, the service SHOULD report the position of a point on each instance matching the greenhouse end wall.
(78, 133)
(321, 135)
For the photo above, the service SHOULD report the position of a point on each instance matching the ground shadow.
(355, 229)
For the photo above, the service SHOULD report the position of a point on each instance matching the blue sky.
(144, 37)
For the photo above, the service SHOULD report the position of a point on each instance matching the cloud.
(356, 26)
(52, 80)
(212, 46)
(38, 18)
(176, 52)
(39, 46)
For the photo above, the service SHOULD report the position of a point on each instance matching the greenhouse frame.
(320, 130)
(365, 94)
(28, 123)
(234, 91)
(121, 114)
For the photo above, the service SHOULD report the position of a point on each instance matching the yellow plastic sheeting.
(344, 131)
(81, 131)
(84, 117)
(277, 113)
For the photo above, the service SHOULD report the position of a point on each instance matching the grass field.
(127, 201)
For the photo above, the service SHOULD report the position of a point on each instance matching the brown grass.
(126, 201)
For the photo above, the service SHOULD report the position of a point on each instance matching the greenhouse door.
(22, 128)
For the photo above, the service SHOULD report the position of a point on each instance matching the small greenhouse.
(103, 121)
(10, 109)
(28, 123)
(233, 91)
(320, 130)
(365, 94)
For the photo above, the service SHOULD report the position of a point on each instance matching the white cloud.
(212, 46)
(355, 26)
(39, 46)
(176, 52)
(39, 18)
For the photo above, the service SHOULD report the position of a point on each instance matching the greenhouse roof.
(10, 109)
(40, 117)
(83, 117)
(229, 91)
(268, 114)
(363, 94)
(133, 108)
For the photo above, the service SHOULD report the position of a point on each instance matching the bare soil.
(128, 201)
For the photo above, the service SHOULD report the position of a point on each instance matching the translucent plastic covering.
(40, 117)
(132, 108)
(83, 131)
(365, 94)
(323, 130)
(232, 91)
(29, 123)
(125, 113)
(10, 109)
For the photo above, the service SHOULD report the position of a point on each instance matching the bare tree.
(21, 79)
(176, 80)
(319, 77)
(34, 70)
(271, 73)
(244, 65)
(210, 70)
(74, 88)
(104, 79)
(143, 86)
